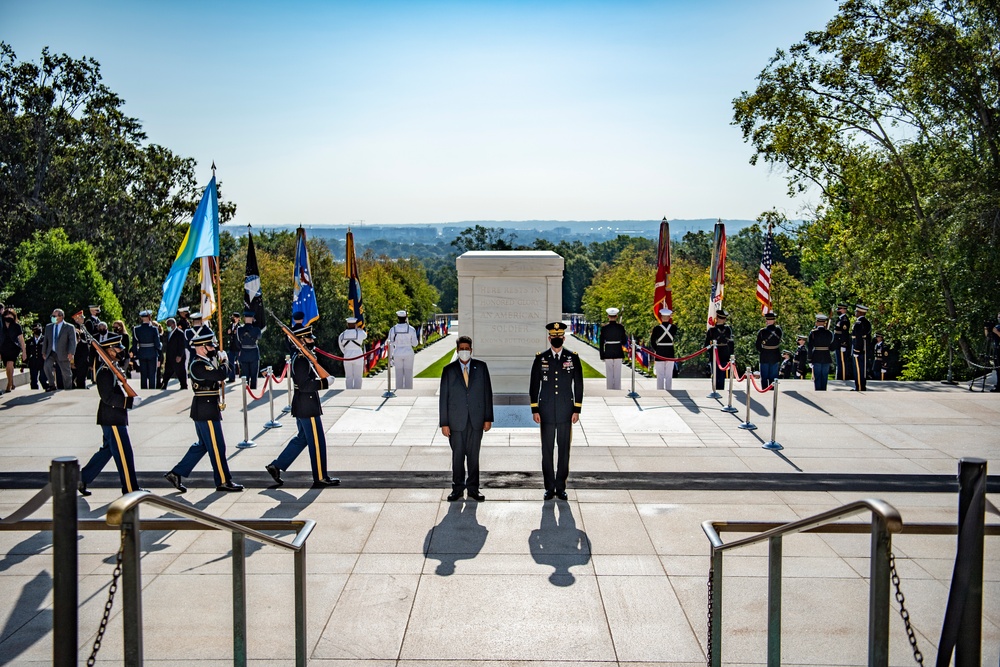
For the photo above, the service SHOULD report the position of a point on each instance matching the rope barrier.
(361, 356)
(267, 380)
(674, 359)
(757, 387)
(284, 372)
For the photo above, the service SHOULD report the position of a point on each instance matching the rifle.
(129, 391)
(305, 351)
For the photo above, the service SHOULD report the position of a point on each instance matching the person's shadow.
(559, 543)
(459, 536)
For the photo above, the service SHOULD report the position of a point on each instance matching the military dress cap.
(666, 312)
(556, 328)
(185, 309)
(303, 332)
(770, 315)
(78, 313)
(820, 317)
(400, 313)
(203, 339)
(113, 340)
(249, 313)
(800, 337)
(236, 315)
(612, 312)
(145, 313)
(878, 335)
(298, 315)
(842, 305)
(196, 315)
(93, 305)
(352, 320)
(721, 313)
(788, 352)
(863, 309)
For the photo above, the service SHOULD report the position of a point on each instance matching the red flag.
(764, 274)
(718, 273)
(663, 296)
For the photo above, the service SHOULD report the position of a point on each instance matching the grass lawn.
(434, 370)
(589, 371)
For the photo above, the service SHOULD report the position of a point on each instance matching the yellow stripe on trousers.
(121, 457)
(319, 461)
(215, 452)
(857, 373)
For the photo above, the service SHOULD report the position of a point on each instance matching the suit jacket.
(66, 344)
(459, 405)
(176, 346)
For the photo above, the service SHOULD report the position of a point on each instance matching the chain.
(107, 605)
(904, 614)
(708, 651)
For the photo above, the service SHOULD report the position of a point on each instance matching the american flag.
(764, 275)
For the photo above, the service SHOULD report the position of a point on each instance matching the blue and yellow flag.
(354, 303)
(201, 240)
(303, 294)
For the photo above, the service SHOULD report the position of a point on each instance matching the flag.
(764, 275)
(200, 240)
(207, 288)
(354, 302)
(303, 294)
(718, 272)
(253, 297)
(662, 293)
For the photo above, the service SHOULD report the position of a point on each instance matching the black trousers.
(860, 371)
(174, 369)
(553, 434)
(147, 373)
(845, 363)
(465, 446)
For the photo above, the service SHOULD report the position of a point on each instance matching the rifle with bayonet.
(303, 350)
(129, 391)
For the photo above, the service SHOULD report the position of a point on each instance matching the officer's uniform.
(661, 342)
(351, 342)
(861, 335)
(556, 393)
(610, 342)
(207, 376)
(233, 346)
(146, 349)
(248, 335)
(842, 345)
(820, 347)
(801, 358)
(81, 357)
(722, 335)
(768, 344)
(403, 338)
(112, 416)
(306, 409)
(786, 371)
(880, 365)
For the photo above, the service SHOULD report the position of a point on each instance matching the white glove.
(136, 401)
(223, 357)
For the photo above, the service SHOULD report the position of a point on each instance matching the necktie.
(55, 336)
(465, 373)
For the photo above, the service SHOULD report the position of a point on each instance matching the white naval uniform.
(664, 369)
(403, 337)
(351, 343)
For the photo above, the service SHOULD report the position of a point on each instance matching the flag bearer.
(249, 334)
(612, 338)
(861, 335)
(351, 343)
(661, 340)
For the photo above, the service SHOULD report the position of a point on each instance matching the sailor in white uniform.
(351, 342)
(402, 338)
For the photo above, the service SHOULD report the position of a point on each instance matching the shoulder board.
(538, 354)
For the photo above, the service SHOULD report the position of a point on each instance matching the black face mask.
(211, 354)
(9, 319)
(556, 342)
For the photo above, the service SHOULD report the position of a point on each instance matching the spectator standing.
(11, 344)
(60, 349)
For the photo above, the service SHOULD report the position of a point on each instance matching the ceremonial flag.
(253, 297)
(354, 303)
(718, 273)
(764, 275)
(207, 288)
(200, 240)
(662, 293)
(303, 294)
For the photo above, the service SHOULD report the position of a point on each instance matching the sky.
(432, 112)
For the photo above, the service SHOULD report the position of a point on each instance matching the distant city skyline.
(441, 112)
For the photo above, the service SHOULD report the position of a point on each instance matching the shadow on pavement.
(558, 543)
(459, 536)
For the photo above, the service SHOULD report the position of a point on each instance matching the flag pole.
(218, 308)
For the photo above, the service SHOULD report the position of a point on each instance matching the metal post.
(732, 375)
(714, 365)
(288, 385)
(774, 602)
(972, 482)
(239, 600)
(951, 355)
(746, 425)
(633, 394)
(301, 650)
(247, 442)
(715, 618)
(64, 476)
(270, 399)
(878, 595)
(388, 375)
(772, 443)
(132, 587)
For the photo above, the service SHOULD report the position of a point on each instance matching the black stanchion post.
(972, 509)
(64, 475)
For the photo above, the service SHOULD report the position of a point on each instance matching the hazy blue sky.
(332, 112)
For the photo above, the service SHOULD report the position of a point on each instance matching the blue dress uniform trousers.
(310, 435)
(117, 446)
(768, 374)
(211, 442)
(250, 366)
(821, 373)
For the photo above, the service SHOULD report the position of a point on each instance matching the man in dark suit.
(60, 349)
(35, 346)
(556, 392)
(465, 412)
(174, 351)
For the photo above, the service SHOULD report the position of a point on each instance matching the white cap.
(352, 320)
(400, 313)
(613, 312)
(666, 312)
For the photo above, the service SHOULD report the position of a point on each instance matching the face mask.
(465, 355)
(54, 319)
(212, 353)
(556, 342)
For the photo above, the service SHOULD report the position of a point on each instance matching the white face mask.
(465, 355)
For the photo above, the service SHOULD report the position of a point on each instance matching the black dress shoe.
(82, 488)
(275, 473)
(478, 497)
(561, 495)
(549, 495)
(454, 495)
(175, 481)
(326, 481)
(229, 487)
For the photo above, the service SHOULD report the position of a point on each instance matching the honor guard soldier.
(842, 344)
(801, 357)
(351, 342)
(880, 365)
(661, 340)
(249, 334)
(787, 369)
(298, 321)
(183, 318)
(92, 319)
(819, 346)
(146, 350)
(768, 345)
(306, 409)
(233, 344)
(556, 393)
(208, 373)
(112, 416)
(81, 358)
(861, 335)
(725, 347)
(610, 343)
(403, 338)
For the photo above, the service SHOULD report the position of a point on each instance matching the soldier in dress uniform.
(842, 344)
(35, 346)
(208, 373)
(233, 345)
(298, 321)
(249, 334)
(146, 350)
(306, 409)
(786, 371)
(351, 342)
(556, 393)
(610, 342)
(861, 335)
(112, 416)
(81, 359)
(820, 348)
(183, 318)
(661, 341)
(403, 338)
(880, 365)
(725, 346)
(92, 319)
(768, 345)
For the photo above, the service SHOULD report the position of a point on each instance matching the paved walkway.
(614, 576)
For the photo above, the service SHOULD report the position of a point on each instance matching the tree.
(483, 238)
